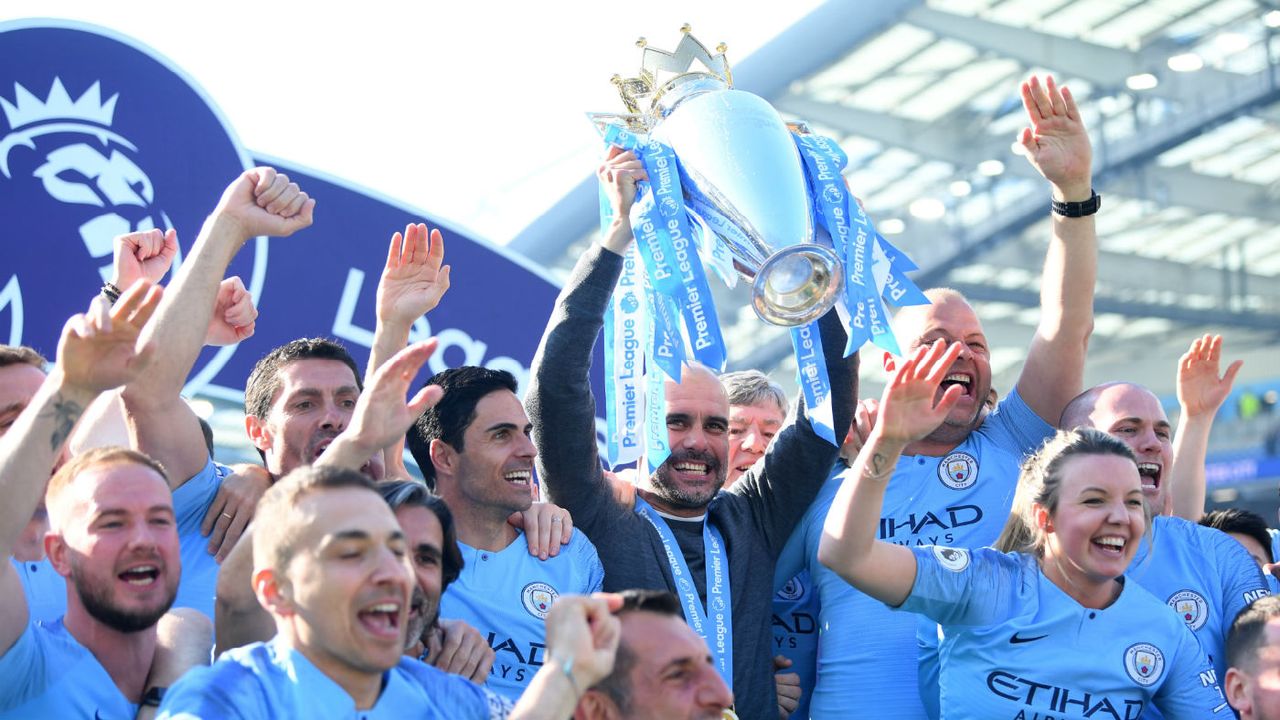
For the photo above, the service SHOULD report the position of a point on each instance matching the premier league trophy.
(741, 174)
(730, 184)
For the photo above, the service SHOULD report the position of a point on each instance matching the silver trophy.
(743, 175)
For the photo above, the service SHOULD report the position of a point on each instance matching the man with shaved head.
(955, 486)
(714, 548)
(1203, 574)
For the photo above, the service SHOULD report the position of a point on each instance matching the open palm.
(908, 411)
(98, 350)
(414, 278)
(1056, 144)
(1200, 389)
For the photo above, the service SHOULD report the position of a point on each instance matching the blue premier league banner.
(99, 136)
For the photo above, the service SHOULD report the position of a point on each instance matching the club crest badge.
(958, 471)
(537, 598)
(953, 559)
(794, 590)
(1144, 663)
(1191, 607)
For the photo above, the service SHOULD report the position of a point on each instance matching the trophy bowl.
(741, 172)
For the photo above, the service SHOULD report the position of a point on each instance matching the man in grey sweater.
(752, 520)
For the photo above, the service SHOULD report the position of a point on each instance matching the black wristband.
(1077, 209)
(153, 696)
(111, 291)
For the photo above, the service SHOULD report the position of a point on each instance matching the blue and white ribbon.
(873, 267)
(714, 622)
(626, 329)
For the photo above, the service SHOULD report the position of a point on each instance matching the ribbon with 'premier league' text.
(661, 225)
(626, 329)
(811, 371)
(713, 623)
(869, 259)
(664, 356)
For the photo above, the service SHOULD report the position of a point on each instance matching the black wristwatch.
(1077, 209)
(153, 696)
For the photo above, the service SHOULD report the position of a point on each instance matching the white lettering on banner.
(805, 358)
(473, 350)
(859, 257)
(11, 297)
(693, 298)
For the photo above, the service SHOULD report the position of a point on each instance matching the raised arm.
(582, 644)
(98, 351)
(909, 410)
(559, 402)
(412, 283)
(259, 202)
(1057, 145)
(1201, 391)
(798, 461)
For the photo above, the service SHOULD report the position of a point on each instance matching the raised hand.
(911, 408)
(146, 254)
(264, 202)
(583, 630)
(98, 350)
(1201, 391)
(414, 279)
(234, 315)
(1057, 144)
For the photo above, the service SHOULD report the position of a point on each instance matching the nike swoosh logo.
(1016, 640)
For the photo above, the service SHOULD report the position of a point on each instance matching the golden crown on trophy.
(662, 71)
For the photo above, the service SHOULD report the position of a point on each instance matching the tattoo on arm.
(65, 415)
(880, 467)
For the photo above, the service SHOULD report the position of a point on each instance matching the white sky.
(472, 112)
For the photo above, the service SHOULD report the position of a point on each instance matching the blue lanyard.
(717, 616)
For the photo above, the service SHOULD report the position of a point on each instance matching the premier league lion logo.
(98, 137)
(80, 161)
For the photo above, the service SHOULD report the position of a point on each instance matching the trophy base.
(797, 285)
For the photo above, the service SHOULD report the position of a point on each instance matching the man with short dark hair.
(474, 449)
(1252, 682)
(297, 399)
(662, 669)
(432, 538)
(331, 567)
(1248, 529)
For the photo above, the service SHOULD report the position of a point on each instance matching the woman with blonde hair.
(1046, 625)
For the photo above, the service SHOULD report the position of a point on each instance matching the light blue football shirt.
(1018, 646)
(1273, 583)
(45, 589)
(506, 595)
(795, 633)
(49, 674)
(198, 585)
(1203, 575)
(271, 680)
(867, 657)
